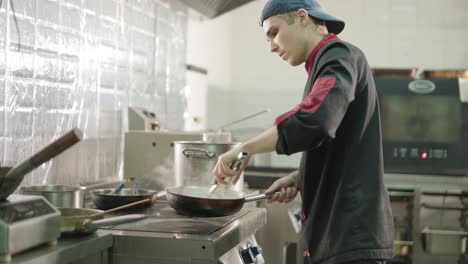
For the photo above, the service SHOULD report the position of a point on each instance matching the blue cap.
(275, 7)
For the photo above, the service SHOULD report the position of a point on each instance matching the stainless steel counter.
(426, 182)
(131, 246)
(90, 250)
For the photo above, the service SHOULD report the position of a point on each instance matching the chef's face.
(287, 37)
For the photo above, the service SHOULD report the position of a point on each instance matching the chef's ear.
(303, 16)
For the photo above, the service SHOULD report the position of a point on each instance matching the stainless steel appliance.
(167, 237)
(92, 249)
(26, 221)
(150, 154)
(142, 119)
(280, 238)
(424, 125)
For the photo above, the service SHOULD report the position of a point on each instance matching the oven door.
(424, 126)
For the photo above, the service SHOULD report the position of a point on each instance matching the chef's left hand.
(222, 170)
(284, 189)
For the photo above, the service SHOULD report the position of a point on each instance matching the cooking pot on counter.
(194, 162)
(69, 196)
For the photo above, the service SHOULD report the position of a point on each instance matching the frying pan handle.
(257, 197)
(196, 153)
(47, 153)
(93, 225)
(14, 176)
(161, 195)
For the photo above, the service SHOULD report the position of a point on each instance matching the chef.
(346, 214)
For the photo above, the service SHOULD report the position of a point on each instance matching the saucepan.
(197, 201)
(71, 196)
(80, 221)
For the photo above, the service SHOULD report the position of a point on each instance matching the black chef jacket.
(346, 210)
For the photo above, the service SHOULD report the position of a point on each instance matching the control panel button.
(403, 152)
(249, 254)
(414, 153)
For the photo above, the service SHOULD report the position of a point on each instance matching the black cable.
(16, 24)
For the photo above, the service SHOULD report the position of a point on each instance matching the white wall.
(407, 33)
(392, 33)
(209, 46)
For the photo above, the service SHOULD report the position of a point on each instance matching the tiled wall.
(80, 63)
(407, 33)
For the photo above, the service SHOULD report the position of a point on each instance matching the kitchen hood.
(214, 8)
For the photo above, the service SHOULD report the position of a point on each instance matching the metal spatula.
(235, 165)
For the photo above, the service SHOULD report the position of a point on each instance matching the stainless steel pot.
(194, 162)
(69, 196)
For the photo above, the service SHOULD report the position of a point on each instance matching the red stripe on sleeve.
(285, 116)
(315, 98)
(310, 104)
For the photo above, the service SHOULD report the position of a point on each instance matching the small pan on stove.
(77, 221)
(196, 201)
(104, 198)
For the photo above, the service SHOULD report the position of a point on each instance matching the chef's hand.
(286, 188)
(222, 170)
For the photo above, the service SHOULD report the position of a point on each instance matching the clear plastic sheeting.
(72, 63)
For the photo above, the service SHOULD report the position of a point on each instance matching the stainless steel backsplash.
(80, 63)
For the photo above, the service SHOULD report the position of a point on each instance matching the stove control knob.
(256, 250)
(249, 254)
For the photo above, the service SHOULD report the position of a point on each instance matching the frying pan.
(191, 201)
(103, 199)
(76, 221)
(206, 201)
(196, 201)
(186, 200)
(10, 178)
